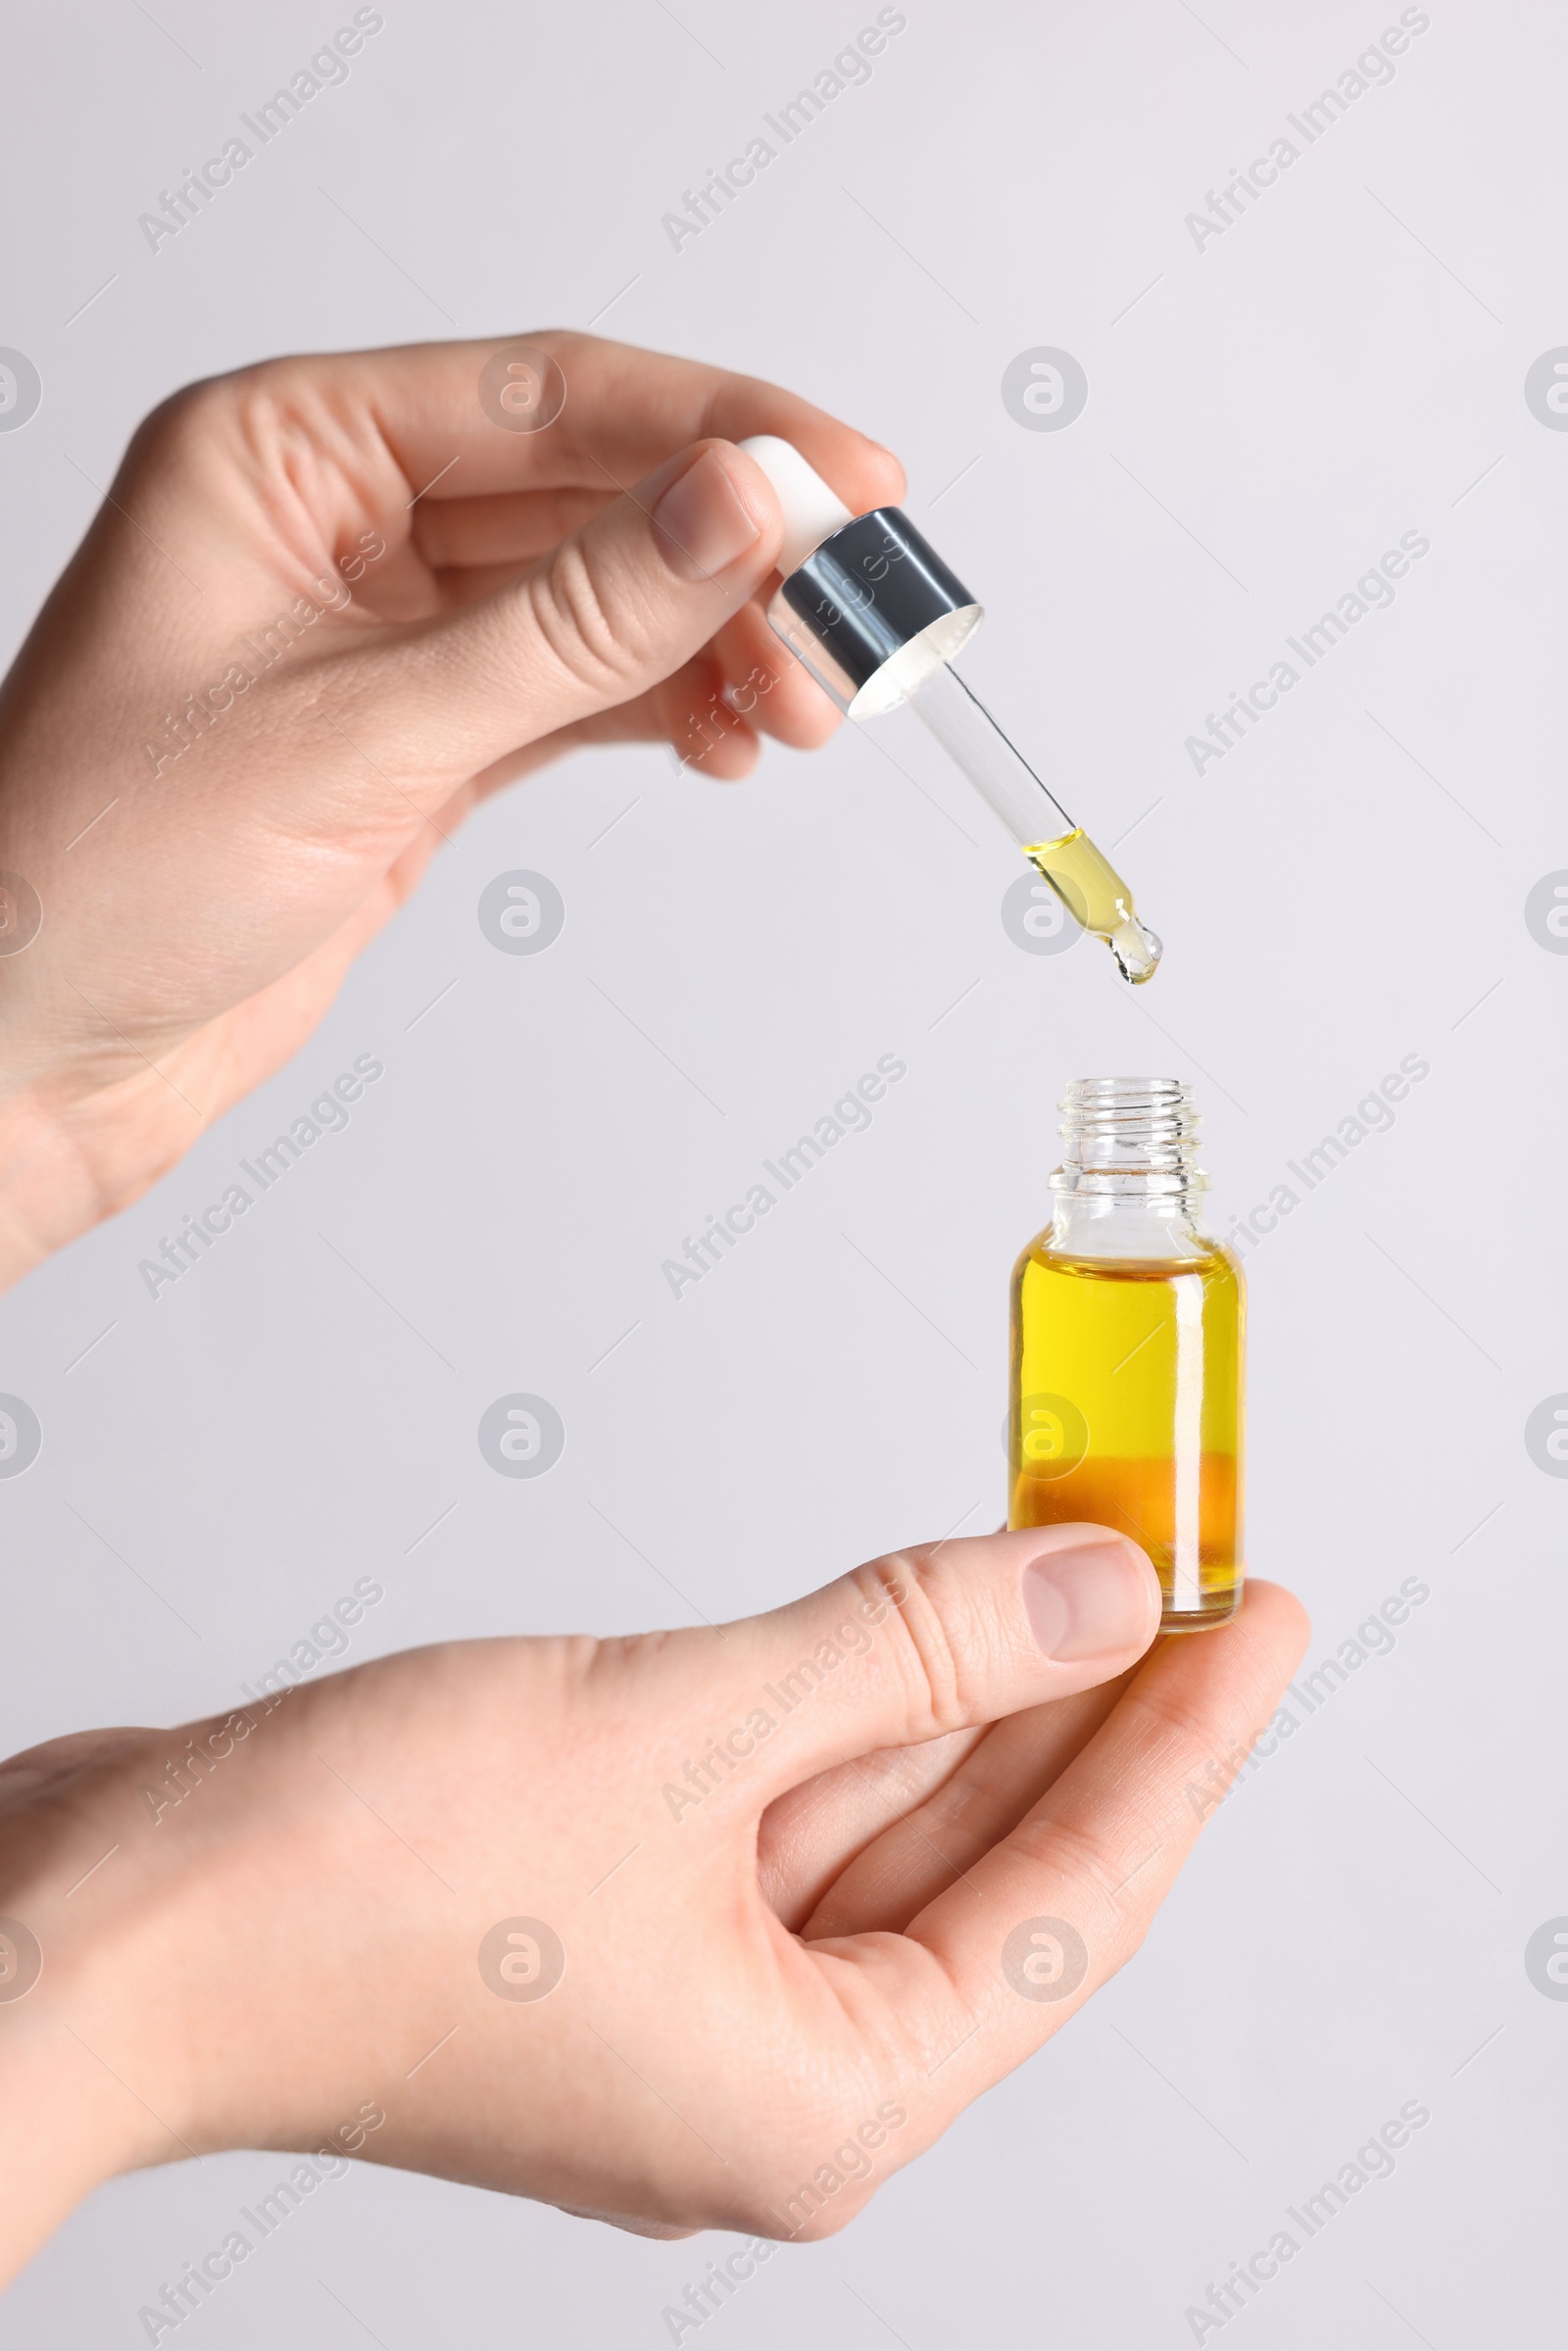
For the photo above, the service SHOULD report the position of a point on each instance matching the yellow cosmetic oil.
(1127, 1364)
(1095, 896)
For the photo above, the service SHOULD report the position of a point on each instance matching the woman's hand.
(330, 604)
(705, 1929)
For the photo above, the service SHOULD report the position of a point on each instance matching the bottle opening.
(1130, 1135)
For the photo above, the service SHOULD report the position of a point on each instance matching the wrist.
(144, 1869)
(83, 2095)
(69, 2125)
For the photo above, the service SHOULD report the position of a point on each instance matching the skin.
(193, 938)
(287, 1933)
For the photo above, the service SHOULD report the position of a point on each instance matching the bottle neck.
(1129, 1184)
(1128, 1226)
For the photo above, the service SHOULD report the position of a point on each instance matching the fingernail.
(1089, 1599)
(700, 523)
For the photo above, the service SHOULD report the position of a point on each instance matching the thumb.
(612, 610)
(930, 1640)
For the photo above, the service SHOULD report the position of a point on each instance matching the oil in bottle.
(1126, 1387)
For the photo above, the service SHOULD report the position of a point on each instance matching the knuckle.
(1090, 1881)
(1176, 1750)
(598, 646)
(178, 425)
(928, 1650)
(1077, 1858)
(251, 412)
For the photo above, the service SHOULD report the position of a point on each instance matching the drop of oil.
(1137, 950)
(1095, 896)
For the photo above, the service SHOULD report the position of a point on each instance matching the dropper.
(875, 615)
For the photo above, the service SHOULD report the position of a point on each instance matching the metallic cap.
(873, 611)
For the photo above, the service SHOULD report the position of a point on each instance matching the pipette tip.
(1137, 950)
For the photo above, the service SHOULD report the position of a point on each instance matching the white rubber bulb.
(812, 512)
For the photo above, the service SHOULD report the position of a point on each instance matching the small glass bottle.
(1126, 1385)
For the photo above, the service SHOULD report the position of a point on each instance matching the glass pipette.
(875, 615)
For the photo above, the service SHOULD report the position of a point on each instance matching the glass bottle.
(1126, 1386)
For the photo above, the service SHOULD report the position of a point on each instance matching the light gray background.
(1343, 365)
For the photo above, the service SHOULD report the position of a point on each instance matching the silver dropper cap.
(866, 602)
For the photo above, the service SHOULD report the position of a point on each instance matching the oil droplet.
(1137, 950)
(1095, 894)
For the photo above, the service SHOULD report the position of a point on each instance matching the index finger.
(624, 410)
(987, 1970)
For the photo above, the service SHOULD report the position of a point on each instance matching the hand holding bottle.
(705, 1929)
